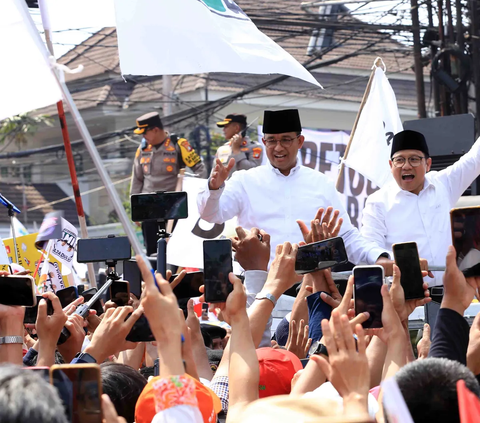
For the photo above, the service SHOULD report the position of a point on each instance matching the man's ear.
(391, 164)
(301, 140)
(429, 164)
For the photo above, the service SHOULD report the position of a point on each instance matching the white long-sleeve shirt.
(264, 198)
(392, 215)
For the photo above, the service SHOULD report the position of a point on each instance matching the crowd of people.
(321, 365)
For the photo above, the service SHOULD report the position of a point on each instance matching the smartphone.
(217, 265)
(80, 289)
(189, 285)
(112, 248)
(32, 312)
(140, 331)
(159, 205)
(156, 367)
(368, 281)
(80, 388)
(132, 274)
(98, 306)
(320, 255)
(204, 311)
(408, 261)
(18, 291)
(465, 223)
(120, 293)
(67, 295)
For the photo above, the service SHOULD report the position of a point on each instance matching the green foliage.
(17, 128)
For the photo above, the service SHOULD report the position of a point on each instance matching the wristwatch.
(268, 296)
(318, 348)
(11, 340)
(85, 357)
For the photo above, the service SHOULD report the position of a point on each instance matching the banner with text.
(322, 151)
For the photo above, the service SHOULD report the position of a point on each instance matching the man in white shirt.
(274, 196)
(415, 206)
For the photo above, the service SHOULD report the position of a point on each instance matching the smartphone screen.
(217, 264)
(17, 291)
(32, 312)
(120, 293)
(161, 205)
(406, 258)
(91, 250)
(320, 255)
(140, 331)
(98, 305)
(67, 295)
(80, 389)
(466, 239)
(368, 281)
(189, 285)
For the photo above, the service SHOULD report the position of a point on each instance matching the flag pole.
(377, 63)
(68, 147)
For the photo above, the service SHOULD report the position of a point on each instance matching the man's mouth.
(279, 156)
(408, 177)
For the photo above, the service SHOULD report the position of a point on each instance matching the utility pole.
(444, 100)
(417, 52)
(475, 34)
(167, 94)
(433, 52)
(463, 94)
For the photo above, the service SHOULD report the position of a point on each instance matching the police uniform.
(156, 168)
(250, 151)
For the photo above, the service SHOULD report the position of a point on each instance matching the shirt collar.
(276, 171)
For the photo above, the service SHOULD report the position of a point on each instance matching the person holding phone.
(246, 152)
(415, 205)
(157, 163)
(273, 197)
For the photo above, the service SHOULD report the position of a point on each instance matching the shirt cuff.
(174, 390)
(375, 253)
(255, 280)
(29, 357)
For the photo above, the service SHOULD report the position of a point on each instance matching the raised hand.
(347, 366)
(473, 352)
(423, 346)
(282, 274)
(252, 250)
(298, 341)
(220, 173)
(458, 290)
(323, 226)
(405, 307)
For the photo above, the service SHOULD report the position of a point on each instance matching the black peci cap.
(242, 119)
(281, 121)
(148, 120)
(409, 140)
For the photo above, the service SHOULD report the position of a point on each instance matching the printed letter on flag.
(379, 121)
(161, 37)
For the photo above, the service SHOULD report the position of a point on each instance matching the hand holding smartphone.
(17, 291)
(320, 255)
(217, 265)
(120, 293)
(32, 312)
(368, 281)
(408, 261)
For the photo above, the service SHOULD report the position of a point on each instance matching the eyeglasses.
(285, 142)
(414, 161)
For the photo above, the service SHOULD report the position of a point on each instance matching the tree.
(17, 128)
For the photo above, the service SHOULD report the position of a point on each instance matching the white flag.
(379, 121)
(26, 81)
(162, 37)
(185, 247)
(20, 230)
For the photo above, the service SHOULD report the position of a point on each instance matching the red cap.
(277, 368)
(468, 404)
(208, 402)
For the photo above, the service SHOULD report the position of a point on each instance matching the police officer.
(247, 153)
(156, 166)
